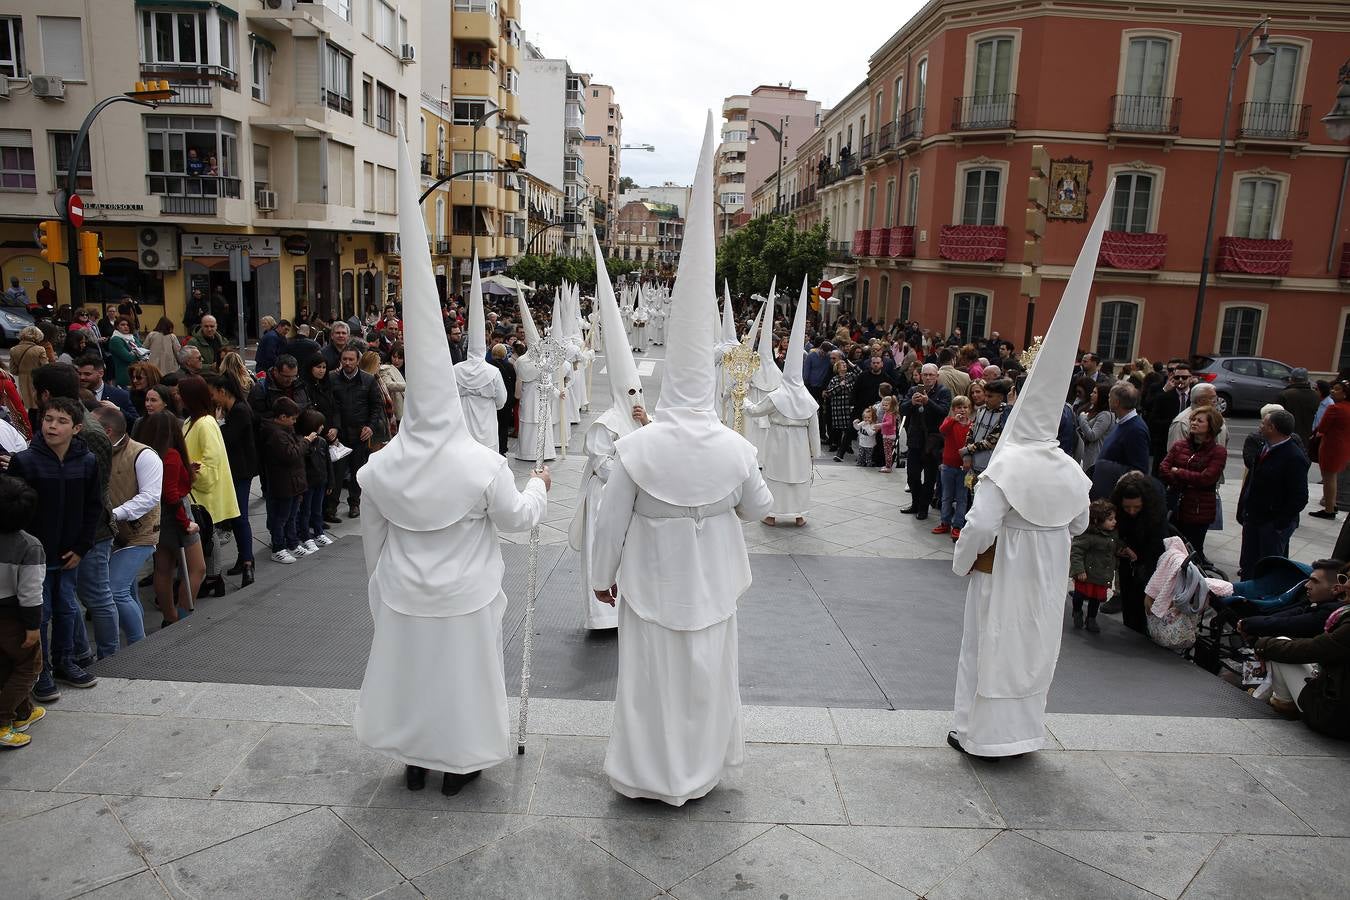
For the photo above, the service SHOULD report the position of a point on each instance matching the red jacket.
(1195, 471)
(954, 438)
(1333, 453)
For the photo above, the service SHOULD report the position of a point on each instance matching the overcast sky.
(671, 62)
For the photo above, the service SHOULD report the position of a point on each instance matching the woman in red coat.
(1333, 450)
(1193, 467)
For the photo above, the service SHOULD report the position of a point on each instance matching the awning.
(839, 280)
(507, 282)
(258, 38)
(182, 5)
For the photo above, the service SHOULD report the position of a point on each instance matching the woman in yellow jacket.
(212, 484)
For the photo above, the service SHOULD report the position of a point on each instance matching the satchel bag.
(1314, 447)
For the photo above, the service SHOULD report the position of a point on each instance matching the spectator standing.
(360, 413)
(1126, 448)
(134, 487)
(867, 428)
(925, 407)
(232, 366)
(272, 343)
(391, 380)
(209, 343)
(318, 472)
(164, 346)
(23, 565)
(24, 359)
(12, 407)
(1095, 423)
(1302, 400)
(1273, 493)
(889, 427)
(370, 364)
(302, 346)
(162, 432)
(955, 495)
(987, 426)
(506, 416)
(241, 448)
(956, 381)
(1193, 469)
(143, 377)
(91, 371)
(283, 380)
(1332, 446)
(212, 483)
(190, 363)
(1172, 398)
(196, 309)
(339, 336)
(284, 459)
(125, 351)
(838, 397)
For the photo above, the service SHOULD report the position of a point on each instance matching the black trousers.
(1132, 610)
(344, 474)
(921, 470)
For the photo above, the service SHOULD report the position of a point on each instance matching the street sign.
(826, 290)
(75, 210)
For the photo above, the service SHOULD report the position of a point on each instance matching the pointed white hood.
(407, 479)
(531, 330)
(475, 375)
(791, 399)
(687, 457)
(625, 387)
(753, 334)
(768, 376)
(1042, 483)
(728, 316)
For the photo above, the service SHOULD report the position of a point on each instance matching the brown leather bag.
(985, 561)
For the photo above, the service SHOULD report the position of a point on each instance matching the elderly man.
(339, 336)
(1275, 492)
(190, 362)
(1201, 395)
(209, 342)
(924, 408)
(1128, 444)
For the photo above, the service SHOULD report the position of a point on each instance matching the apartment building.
(1136, 93)
(280, 140)
(651, 234)
(544, 206)
(553, 101)
(668, 193)
(600, 151)
(763, 129)
(471, 76)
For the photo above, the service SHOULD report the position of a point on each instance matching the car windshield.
(11, 303)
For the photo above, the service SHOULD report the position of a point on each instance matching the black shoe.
(213, 587)
(1092, 627)
(1322, 514)
(353, 510)
(956, 745)
(85, 662)
(415, 777)
(1110, 607)
(1078, 620)
(909, 510)
(921, 516)
(453, 783)
(331, 518)
(247, 573)
(237, 568)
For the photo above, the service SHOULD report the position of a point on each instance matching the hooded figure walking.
(669, 531)
(434, 692)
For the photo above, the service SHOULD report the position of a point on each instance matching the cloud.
(669, 63)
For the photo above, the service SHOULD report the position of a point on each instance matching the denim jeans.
(310, 521)
(240, 525)
(282, 515)
(123, 567)
(60, 610)
(954, 496)
(96, 595)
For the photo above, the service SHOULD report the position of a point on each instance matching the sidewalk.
(148, 789)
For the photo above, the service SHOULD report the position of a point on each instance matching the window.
(883, 298)
(11, 47)
(1240, 333)
(386, 24)
(969, 313)
(262, 168)
(921, 90)
(1274, 90)
(384, 108)
(1133, 202)
(513, 87)
(192, 156)
(890, 203)
(402, 33)
(62, 144)
(260, 70)
(189, 41)
(342, 7)
(62, 47)
(466, 112)
(991, 89)
(17, 172)
(309, 165)
(368, 185)
(735, 137)
(337, 68)
(341, 174)
(1115, 330)
(1142, 104)
(463, 162)
(912, 201)
(1255, 215)
(905, 294)
(866, 297)
(487, 6)
(368, 100)
(871, 205)
(980, 201)
(1275, 371)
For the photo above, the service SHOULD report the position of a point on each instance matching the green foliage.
(626, 184)
(771, 246)
(550, 271)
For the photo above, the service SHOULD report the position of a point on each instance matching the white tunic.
(600, 460)
(481, 397)
(789, 447)
(437, 603)
(640, 336)
(677, 711)
(1013, 624)
(527, 392)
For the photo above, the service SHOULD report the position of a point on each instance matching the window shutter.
(62, 47)
(308, 81)
(16, 138)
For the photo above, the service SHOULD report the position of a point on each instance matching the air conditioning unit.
(48, 87)
(405, 53)
(267, 201)
(288, 5)
(157, 249)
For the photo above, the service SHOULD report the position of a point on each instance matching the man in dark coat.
(924, 408)
(866, 389)
(1301, 399)
(506, 416)
(1126, 448)
(1163, 407)
(361, 413)
(1273, 494)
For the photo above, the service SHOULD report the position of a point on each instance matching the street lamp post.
(777, 136)
(1337, 123)
(1260, 55)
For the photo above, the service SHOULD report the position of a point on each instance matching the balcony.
(1134, 116)
(194, 95)
(973, 243)
(474, 81)
(909, 128)
(181, 75)
(575, 123)
(886, 139)
(442, 167)
(996, 113)
(841, 251)
(900, 242)
(426, 163)
(862, 242)
(1133, 251)
(868, 146)
(466, 192)
(475, 26)
(192, 185)
(1252, 256)
(1273, 123)
(739, 102)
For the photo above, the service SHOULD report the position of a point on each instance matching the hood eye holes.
(632, 391)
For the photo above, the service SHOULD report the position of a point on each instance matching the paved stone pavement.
(145, 788)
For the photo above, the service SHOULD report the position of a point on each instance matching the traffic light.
(152, 91)
(91, 254)
(52, 241)
(815, 298)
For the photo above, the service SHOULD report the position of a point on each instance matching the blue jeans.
(310, 523)
(96, 595)
(282, 516)
(61, 611)
(123, 568)
(954, 496)
(240, 525)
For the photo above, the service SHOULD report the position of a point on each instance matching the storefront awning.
(840, 280)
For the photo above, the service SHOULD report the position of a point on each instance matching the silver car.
(1243, 383)
(14, 318)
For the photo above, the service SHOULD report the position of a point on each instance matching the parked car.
(1243, 383)
(14, 317)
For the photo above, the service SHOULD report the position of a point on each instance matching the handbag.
(1314, 447)
(205, 526)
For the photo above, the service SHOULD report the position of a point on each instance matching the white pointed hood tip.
(728, 316)
(475, 375)
(687, 457)
(1044, 484)
(768, 376)
(407, 479)
(531, 330)
(625, 386)
(791, 398)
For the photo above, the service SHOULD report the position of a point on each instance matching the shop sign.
(297, 244)
(267, 246)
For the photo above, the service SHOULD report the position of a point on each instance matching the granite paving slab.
(91, 850)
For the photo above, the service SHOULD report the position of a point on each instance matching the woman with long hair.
(1095, 421)
(370, 364)
(162, 432)
(142, 377)
(1141, 524)
(212, 483)
(241, 448)
(232, 365)
(391, 378)
(76, 343)
(164, 346)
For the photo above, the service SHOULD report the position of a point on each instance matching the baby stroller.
(1179, 594)
(1276, 582)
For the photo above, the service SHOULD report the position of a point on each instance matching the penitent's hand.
(640, 416)
(544, 476)
(608, 596)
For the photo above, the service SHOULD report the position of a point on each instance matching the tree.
(626, 184)
(550, 271)
(770, 246)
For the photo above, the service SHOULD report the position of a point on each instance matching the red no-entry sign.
(826, 290)
(75, 210)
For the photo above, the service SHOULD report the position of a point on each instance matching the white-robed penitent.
(481, 388)
(669, 532)
(434, 692)
(792, 441)
(531, 416)
(1032, 500)
(625, 393)
(725, 342)
(766, 378)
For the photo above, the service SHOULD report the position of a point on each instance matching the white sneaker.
(310, 546)
(283, 556)
(324, 540)
(299, 551)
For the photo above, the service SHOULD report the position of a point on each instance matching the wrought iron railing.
(1276, 121)
(984, 112)
(1142, 114)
